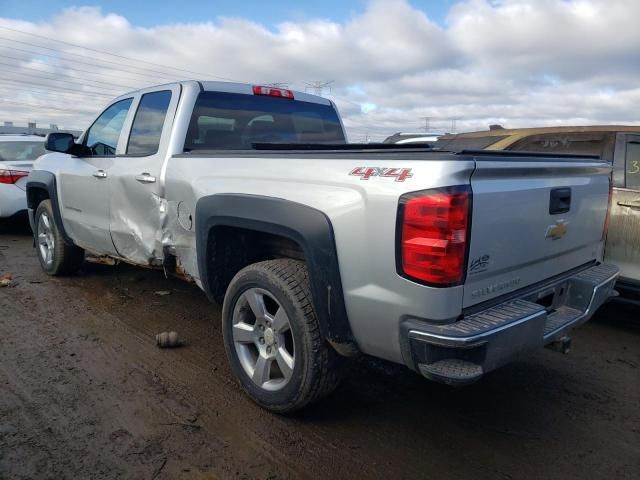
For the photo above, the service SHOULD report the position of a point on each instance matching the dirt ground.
(85, 393)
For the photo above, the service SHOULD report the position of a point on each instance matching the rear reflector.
(272, 92)
(433, 229)
(11, 176)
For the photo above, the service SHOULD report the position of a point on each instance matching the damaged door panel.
(84, 180)
(138, 210)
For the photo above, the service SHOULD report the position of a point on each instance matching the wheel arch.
(307, 227)
(41, 185)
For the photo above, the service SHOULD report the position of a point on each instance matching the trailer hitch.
(562, 345)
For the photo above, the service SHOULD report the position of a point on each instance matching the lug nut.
(268, 349)
(262, 340)
(261, 327)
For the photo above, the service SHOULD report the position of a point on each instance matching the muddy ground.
(85, 393)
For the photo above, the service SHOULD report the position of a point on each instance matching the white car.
(17, 154)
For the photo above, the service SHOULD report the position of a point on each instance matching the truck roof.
(232, 87)
(247, 88)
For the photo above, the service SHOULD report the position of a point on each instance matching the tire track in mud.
(221, 406)
(202, 363)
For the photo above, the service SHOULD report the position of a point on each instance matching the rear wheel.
(272, 337)
(56, 257)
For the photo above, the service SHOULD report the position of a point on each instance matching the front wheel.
(56, 257)
(272, 337)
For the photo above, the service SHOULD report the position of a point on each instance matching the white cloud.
(516, 62)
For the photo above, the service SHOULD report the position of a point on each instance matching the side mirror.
(60, 142)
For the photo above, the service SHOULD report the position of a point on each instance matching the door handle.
(635, 204)
(145, 178)
(559, 200)
(100, 174)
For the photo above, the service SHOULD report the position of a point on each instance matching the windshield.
(233, 121)
(16, 151)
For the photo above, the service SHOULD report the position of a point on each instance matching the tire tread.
(324, 363)
(67, 258)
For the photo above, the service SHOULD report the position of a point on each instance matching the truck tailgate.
(533, 219)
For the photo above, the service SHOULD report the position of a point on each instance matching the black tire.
(316, 370)
(65, 259)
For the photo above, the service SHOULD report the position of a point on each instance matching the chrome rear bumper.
(461, 352)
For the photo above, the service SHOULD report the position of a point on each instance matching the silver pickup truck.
(451, 264)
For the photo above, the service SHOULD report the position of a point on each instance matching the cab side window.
(148, 122)
(102, 137)
(633, 165)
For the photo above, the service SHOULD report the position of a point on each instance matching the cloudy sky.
(463, 64)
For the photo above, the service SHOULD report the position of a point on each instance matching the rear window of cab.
(234, 121)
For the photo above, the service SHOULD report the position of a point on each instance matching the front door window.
(102, 137)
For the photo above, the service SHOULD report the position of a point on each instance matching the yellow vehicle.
(619, 144)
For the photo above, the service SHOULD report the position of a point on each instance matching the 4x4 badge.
(365, 173)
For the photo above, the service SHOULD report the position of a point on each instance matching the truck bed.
(509, 220)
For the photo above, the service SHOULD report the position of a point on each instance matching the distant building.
(33, 129)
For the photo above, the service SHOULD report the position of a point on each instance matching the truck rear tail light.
(605, 230)
(272, 92)
(11, 176)
(433, 234)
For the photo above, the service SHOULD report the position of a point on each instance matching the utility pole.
(278, 85)
(427, 121)
(453, 125)
(317, 86)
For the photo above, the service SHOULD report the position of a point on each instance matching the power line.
(74, 91)
(66, 67)
(346, 100)
(101, 92)
(116, 55)
(157, 72)
(317, 86)
(67, 79)
(277, 85)
(75, 60)
(47, 107)
(18, 89)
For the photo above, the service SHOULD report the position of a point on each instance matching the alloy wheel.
(263, 339)
(46, 239)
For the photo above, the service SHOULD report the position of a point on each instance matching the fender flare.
(43, 180)
(308, 227)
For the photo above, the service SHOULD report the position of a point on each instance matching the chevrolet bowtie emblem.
(557, 231)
